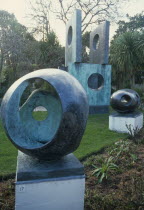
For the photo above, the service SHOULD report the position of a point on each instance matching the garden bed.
(122, 184)
(121, 188)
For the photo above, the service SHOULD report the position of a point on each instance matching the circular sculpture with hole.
(60, 131)
(125, 100)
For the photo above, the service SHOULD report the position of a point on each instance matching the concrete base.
(55, 185)
(118, 122)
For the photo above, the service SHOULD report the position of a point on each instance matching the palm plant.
(126, 57)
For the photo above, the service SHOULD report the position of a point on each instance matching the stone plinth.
(118, 122)
(54, 185)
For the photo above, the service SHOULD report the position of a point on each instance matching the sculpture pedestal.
(52, 185)
(96, 80)
(118, 122)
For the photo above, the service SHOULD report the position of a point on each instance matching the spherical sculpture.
(61, 132)
(125, 100)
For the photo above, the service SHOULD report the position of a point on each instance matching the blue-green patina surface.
(61, 132)
(82, 71)
(41, 132)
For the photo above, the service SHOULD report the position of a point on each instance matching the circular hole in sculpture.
(96, 81)
(70, 35)
(35, 84)
(96, 42)
(40, 113)
(125, 99)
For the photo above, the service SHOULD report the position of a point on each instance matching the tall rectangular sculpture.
(73, 49)
(95, 76)
(99, 44)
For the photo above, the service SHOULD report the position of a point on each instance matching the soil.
(122, 189)
(7, 192)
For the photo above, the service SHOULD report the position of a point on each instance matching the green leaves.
(51, 52)
(127, 51)
(134, 23)
(126, 57)
(102, 172)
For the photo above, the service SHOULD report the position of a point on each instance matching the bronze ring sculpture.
(61, 132)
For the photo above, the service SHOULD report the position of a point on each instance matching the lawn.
(8, 154)
(96, 136)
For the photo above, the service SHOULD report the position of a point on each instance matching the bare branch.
(40, 14)
(93, 11)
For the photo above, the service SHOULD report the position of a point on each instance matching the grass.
(96, 137)
(8, 154)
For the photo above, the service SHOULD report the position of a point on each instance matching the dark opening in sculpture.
(70, 34)
(96, 42)
(95, 81)
(61, 131)
(125, 100)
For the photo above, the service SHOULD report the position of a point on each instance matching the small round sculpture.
(61, 132)
(125, 100)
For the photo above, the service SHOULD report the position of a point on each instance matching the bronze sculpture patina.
(125, 100)
(61, 132)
